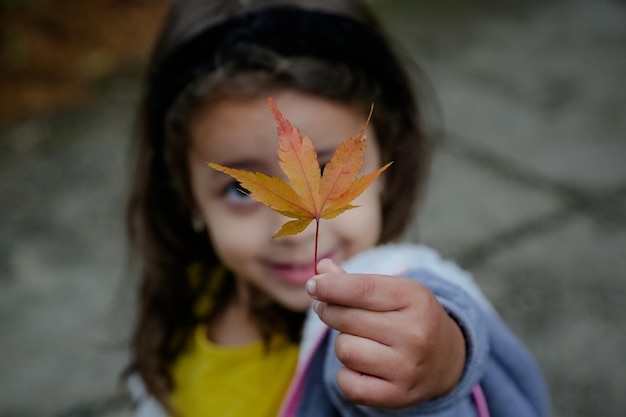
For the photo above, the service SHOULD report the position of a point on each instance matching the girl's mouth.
(297, 274)
(294, 274)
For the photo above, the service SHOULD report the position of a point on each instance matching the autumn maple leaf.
(309, 195)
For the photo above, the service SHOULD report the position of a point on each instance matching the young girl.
(232, 322)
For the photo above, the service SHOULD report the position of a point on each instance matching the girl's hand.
(397, 344)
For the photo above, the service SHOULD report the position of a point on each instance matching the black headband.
(288, 31)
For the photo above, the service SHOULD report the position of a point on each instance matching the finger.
(366, 356)
(368, 324)
(328, 266)
(366, 291)
(369, 390)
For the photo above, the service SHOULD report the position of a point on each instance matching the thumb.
(328, 266)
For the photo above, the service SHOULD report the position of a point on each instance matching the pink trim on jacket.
(480, 402)
(290, 404)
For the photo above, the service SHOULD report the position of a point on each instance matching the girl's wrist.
(452, 356)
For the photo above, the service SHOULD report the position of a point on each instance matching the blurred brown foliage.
(52, 51)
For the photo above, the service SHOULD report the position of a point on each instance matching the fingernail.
(315, 305)
(310, 286)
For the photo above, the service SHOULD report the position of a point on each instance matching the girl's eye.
(235, 193)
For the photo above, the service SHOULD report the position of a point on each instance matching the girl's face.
(242, 134)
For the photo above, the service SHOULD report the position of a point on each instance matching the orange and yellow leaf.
(309, 195)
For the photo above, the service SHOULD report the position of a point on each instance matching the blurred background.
(528, 188)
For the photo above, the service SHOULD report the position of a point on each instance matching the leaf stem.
(317, 232)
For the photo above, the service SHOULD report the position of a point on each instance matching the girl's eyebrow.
(246, 164)
(256, 165)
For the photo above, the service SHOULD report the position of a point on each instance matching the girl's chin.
(300, 307)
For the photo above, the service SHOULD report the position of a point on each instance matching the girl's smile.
(293, 274)
(297, 273)
(241, 133)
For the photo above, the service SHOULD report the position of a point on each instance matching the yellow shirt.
(249, 380)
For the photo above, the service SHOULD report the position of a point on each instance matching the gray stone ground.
(528, 192)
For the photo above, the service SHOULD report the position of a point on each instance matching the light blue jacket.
(501, 378)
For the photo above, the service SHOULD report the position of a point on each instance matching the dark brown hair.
(161, 207)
